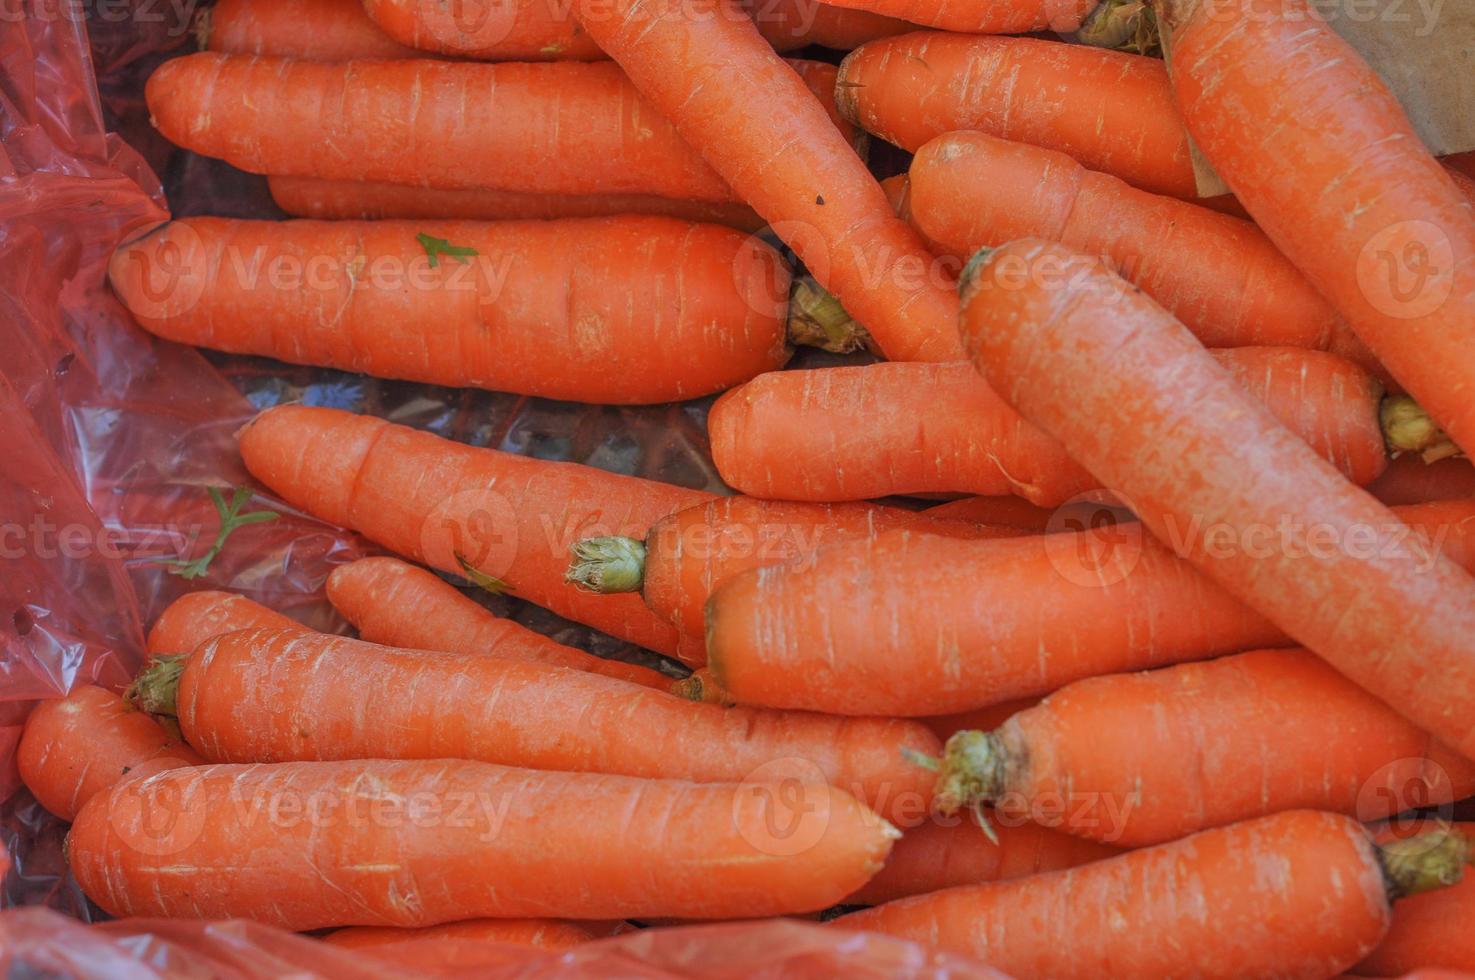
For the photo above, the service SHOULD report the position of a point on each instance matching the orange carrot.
(1202, 761)
(623, 310)
(313, 30)
(856, 433)
(839, 26)
(918, 625)
(786, 161)
(539, 933)
(557, 128)
(992, 17)
(1410, 480)
(1219, 275)
(1320, 152)
(1132, 395)
(977, 719)
(395, 604)
(1429, 930)
(192, 619)
(1298, 895)
(453, 507)
(687, 555)
(312, 197)
(1021, 514)
(75, 747)
(940, 855)
(287, 696)
(309, 845)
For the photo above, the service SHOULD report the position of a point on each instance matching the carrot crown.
(156, 688)
(1407, 428)
(1425, 862)
(972, 771)
(817, 319)
(1122, 25)
(608, 565)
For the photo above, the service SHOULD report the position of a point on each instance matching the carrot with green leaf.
(228, 513)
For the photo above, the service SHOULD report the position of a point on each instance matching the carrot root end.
(1407, 428)
(817, 319)
(155, 690)
(1425, 862)
(1122, 25)
(972, 771)
(608, 565)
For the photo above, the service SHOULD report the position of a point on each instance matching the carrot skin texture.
(279, 696)
(622, 310)
(312, 30)
(1323, 908)
(937, 855)
(895, 635)
(429, 123)
(505, 844)
(199, 616)
(855, 433)
(76, 747)
(1169, 429)
(794, 169)
(392, 603)
(1429, 931)
(537, 933)
(1311, 140)
(1008, 17)
(430, 500)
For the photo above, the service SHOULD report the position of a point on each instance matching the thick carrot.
(396, 604)
(286, 696)
(451, 506)
(557, 128)
(313, 197)
(1133, 396)
(75, 747)
(199, 616)
(918, 625)
(940, 855)
(698, 67)
(313, 30)
(1203, 761)
(1219, 275)
(1429, 930)
(1410, 480)
(382, 843)
(1298, 895)
(855, 433)
(1018, 513)
(991, 17)
(1320, 152)
(538, 933)
(622, 310)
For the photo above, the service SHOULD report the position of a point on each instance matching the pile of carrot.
(1102, 605)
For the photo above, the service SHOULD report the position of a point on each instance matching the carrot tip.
(817, 319)
(608, 565)
(156, 688)
(1407, 428)
(972, 771)
(1425, 862)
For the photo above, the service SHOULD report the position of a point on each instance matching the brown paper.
(1423, 49)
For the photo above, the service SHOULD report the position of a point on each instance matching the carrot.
(75, 747)
(539, 933)
(623, 310)
(1410, 480)
(855, 433)
(1219, 275)
(918, 625)
(940, 855)
(1021, 514)
(1322, 155)
(409, 844)
(1299, 894)
(1132, 396)
(697, 67)
(558, 128)
(395, 604)
(196, 617)
(285, 696)
(977, 719)
(464, 510)
(1203, 761)
(970, 16)
(313, 30)
(312, 197)
(1429, 930)
(838, 26)
(687, 555)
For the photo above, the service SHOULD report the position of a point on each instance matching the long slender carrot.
(196, 617)
(313, 197)
(286, 696)
(940, 855)
(538, 933)
(856, 433)
(1299, 895)
(396, 604)
(913, 624)
(556, 128)
(971, 16)
(1132, 395)
(382, 843)
(795, 170)
(455, 507)
(1219, 275)
(1430, 930)
(1203, 760)
(1410, 480)
(623, 310)
(687, 555)
(1322, 155)
(313, 30)
(75, 747)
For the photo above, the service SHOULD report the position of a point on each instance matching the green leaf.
(481, 579)
(231, 518)
(436, 247)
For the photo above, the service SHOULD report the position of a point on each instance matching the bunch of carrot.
(1152, 699)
